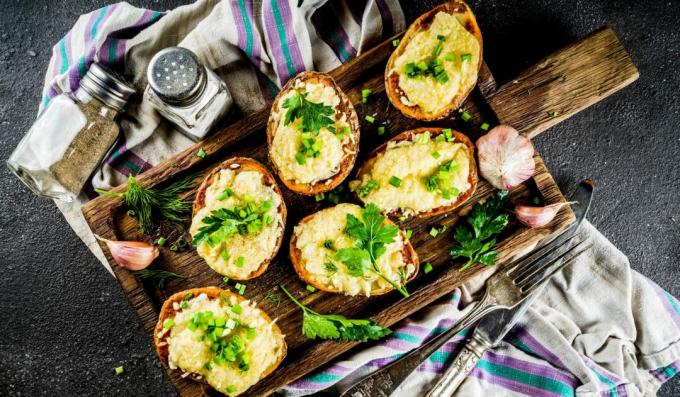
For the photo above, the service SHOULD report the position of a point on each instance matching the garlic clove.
(537, 216)
(506, 158)
(132, 255)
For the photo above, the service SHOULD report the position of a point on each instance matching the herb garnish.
(371, 237)
(335, 326)
(441, 180)
(369, 187)
(248, 218)
(147, 204)
(228, 346)
(273, 298)
(160, 277)
(487, 220)
(314, 116)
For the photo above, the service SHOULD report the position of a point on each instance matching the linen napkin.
(599, 329)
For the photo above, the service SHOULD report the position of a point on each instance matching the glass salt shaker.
(71, 137)
(185, 92)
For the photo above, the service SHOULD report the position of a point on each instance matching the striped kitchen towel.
(599, 329)
(254, 46)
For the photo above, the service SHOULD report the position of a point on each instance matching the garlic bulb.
(537, 216)
(506, 158)
(132, 255)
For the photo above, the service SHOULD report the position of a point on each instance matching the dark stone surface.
(65, 323)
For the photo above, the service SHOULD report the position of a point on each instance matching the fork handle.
(461, 367)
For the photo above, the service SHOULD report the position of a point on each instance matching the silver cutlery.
(504, 290)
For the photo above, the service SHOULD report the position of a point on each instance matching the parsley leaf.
(335, 326)
(371, 236)
(313, 116)
(486, 220)
(357, 260)
(222, 223)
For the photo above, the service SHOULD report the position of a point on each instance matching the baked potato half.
(219, 338)
(312, 134)
(422, 172)
(238, 218)
(318, 240)
(436, 64)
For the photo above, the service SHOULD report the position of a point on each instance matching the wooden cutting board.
(557, 87)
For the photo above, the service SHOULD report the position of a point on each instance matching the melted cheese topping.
(254, 248)
(288, 138)
(328, 224)
(425, 91)
(190, 355)
(412, 162)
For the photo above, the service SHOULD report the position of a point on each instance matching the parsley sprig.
(148, 204)
(222, 223)
(371, 236)
(486, 220)
(313, 116)
(335, 326)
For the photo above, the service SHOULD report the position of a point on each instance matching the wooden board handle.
(563, 83)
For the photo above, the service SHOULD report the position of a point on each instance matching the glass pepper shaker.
(69, 140)
(185, 92)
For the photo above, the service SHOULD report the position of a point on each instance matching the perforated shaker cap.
(107, 85)
(176, 75)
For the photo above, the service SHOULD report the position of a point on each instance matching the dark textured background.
(65, 323)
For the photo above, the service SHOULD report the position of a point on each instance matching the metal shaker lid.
(107, 85)
(176, 75)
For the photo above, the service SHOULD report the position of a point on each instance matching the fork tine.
(522, 264)
(556, 241)
(531, 269)
(529, 288)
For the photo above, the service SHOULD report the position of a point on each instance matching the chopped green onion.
(119, 370)
(437, 155)
(381, 130)
(300, 159)
(188, 296)
(310, 288)
(225, 194)
(231, 389)
(395, 42)
(207, 366)
(465, 116)
(402, 218)
(408, 233)
(449, 56)
(161, 241)
(240, 288)
(395, 181)
(484, 127)
(434, 232)
(364, 95)
(536, 201)
(236, 308)
(465, 57)
(441, 37)
(319, 197)
(369, 118)
(551, 114)
(437, 50)
(225, 255)
(427, 267)
(184, 305)
(240, 261)
(225, 280)
(168, 323)
(329, 245)
(200, 153)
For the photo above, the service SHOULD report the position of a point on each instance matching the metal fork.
(504, 289)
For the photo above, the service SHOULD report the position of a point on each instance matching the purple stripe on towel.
(387, 20)
(537, 347)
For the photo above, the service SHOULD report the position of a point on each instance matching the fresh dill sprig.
(159, 276)
(148, 204)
